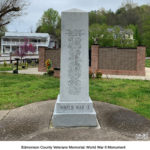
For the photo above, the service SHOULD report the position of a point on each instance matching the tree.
(127, 15)
(50, 22)
(97, 16)
(100, 35)
(2, 32)
(146, 35)
(10, 9)
(24, 49)
(111, 18)
(134, 28)
(108, 36)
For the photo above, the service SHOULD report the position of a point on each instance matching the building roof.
(122, 30)
(25, 34)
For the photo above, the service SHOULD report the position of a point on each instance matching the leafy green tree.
(111, 18)
(50, 23)
(108, 36)
(98, 16)
(134, 28)
(127, 15)
(120, 37)
(146, 35)
(100, 35)
(58, 30)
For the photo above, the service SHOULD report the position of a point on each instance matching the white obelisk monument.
(74, 106)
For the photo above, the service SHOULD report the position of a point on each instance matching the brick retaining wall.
(44, 54)
(118, 61)
(113, 61)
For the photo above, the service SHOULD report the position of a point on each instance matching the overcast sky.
(28, 22)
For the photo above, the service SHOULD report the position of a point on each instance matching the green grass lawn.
(19, 90)
(147, 63)
(9, 68)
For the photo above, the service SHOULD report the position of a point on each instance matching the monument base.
(71, 114)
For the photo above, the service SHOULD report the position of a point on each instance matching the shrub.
(15, 71)
(50, 72)
(98, 74)
(26, 64)
(5, 63)
(29, 61)
(90, 73)
(23, 66)
(33, 64)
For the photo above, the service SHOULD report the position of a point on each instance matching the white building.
(13, 40)
(123, 33)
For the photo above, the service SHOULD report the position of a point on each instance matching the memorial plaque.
(73, 106)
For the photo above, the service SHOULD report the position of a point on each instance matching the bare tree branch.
(10, 9)
(4, 24)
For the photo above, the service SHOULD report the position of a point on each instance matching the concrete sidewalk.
(36, 72)
(31, 71)
(27, 71)
(32, 123)
(146, 77)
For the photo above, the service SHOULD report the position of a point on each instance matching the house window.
(6, 49)
(34, 40)
(14, 48)
(6, 40)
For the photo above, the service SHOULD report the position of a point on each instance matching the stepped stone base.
(71, 114)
